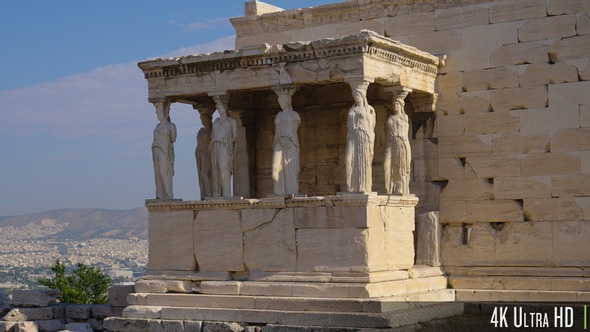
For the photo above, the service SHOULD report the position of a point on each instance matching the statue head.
(359, 91)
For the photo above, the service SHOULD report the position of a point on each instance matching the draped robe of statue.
(222, 147)
(398, 153)
(203, 158)
(285, 156)
(360, 142)
(163, 154)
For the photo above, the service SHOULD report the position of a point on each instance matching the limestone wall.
(224, 240)
(510, 152)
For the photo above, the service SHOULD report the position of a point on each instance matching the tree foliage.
(86, 284)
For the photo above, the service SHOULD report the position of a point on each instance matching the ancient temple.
(489, 96)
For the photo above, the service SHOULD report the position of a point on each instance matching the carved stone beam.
(424, 102)
(399, 93)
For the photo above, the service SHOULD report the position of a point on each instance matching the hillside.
(87, 223)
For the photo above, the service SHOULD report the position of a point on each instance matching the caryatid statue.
(202, 153)
(360, 140)
(222, 147)
(285, 155)
(398, 153)
(163, 151)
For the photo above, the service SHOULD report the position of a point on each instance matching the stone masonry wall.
(38, 310)
(511, 147)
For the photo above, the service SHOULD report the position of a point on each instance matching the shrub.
(86, 284)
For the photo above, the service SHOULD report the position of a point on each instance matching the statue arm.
(172, 132)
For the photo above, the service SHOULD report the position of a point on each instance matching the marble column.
(163, 151)
(285, 156)
(202, 153)
(398, 154)
(360, 139)
(222, 147)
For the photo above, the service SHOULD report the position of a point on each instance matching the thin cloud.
(202, 25)
(108, 102)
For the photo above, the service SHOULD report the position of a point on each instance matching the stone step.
(520, 283)
(290, 303)
(489, 295)
(412, 315)
(320, 289)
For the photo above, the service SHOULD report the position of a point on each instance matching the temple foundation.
(335, 261)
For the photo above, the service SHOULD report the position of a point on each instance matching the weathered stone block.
(451, 168)
(332, 217)
(461, 17)
(78, 311)
(165, 286)
(524, 142)
(192, 326)
(461, 146)
(560, 7)
(438, 41)
(27, 327)
(145, 312)
(518, 98)
(222, 327)
(494, 211)
(545, 73)
(520, 53)
(515, 10)
(570, 48)
(548, 28)
(488, 79)
(582, 23)
(464, 102)
(126, 324)
(156, 326)
(394, 218)
(277, 236)
(552, 209)
(218, 244)
(118, 294)
(568, 238)
(449, 83)
(332, 249)
(466, 59)
(492, 167)
(28, 314)
(522, 187)
(478, 251)
(409, 24)
(428, 237)
(585, 116)
(550, 164)
(171, 241)
(50, 325)
(452, 211)
(551, 118)
(570, 186)
(467, 189)
(399, 247)
(79, 327)
(34, 298)
(491, 122)
(566, 140)
(173, 326)
(569, 94)
(489, 37)
(221, 287)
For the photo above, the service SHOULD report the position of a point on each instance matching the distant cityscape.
(27, 253)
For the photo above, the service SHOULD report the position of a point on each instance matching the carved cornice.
(282, 202)
(365, 43)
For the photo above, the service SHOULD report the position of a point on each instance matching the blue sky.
(75, 124)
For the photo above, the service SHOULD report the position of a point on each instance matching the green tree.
(86, 285)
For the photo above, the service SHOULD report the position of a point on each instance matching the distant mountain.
(88, 223)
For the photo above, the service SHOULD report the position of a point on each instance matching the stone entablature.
(325, 60)
(282, 202)
(349, 11)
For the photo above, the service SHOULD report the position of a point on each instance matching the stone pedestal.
(335, 261)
